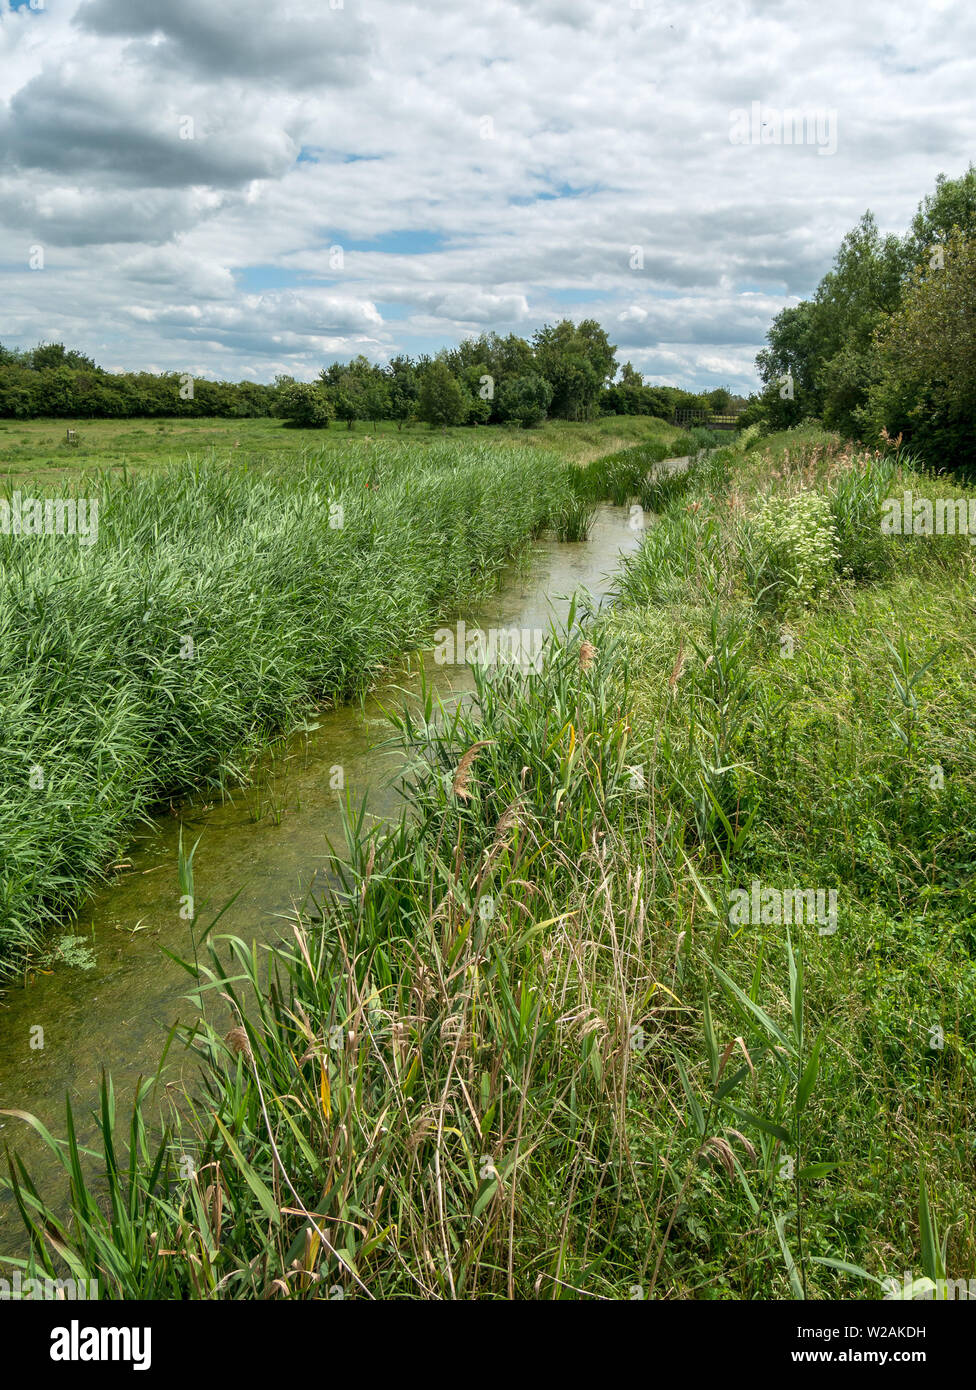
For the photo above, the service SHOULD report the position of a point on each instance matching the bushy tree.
(484, 364)
(305, 405)
(49, 356)
(404, 388)
(825, 345)
(376, 398)
(480, 389)
(578, 361)
(788, 366)
(54, 380)
(441, 400)
(951, 206)
(926, 361)
(798, 370)
(845, 382)
(525, 400)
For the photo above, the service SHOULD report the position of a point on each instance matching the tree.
(404, 389)
(303, 405)
(845, 382)
(508, 356)
(863, 287)
(788, 366)
(48, 356)
(926, 356)
(346, 405)
(376, 398)
(953, 204)
(578, 361)
(55, 392)
(441, 400)
(480, 389)
(18, 392)
(863, 284)
(524, 400)
(818, 361)
(488, 356)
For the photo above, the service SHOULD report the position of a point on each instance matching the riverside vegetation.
(216, 605)
(525, 1052)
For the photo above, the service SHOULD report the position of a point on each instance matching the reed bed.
(216, 605)
(620, 477)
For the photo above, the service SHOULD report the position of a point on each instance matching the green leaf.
(693, 1104)
(810, 1072)
(817, 1170)
(767, 1126)
(261, 1192)
(846, 1268)
(933, 1261)
(779, 1222)
(710, 1042)
(485, 1198)
(764, 1019)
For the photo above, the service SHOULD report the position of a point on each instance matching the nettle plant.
(794, 549)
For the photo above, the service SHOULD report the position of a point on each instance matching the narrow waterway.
(268, 845)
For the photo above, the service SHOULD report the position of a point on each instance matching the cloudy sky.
(239, 188)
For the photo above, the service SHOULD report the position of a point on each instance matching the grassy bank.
(215, 605)
(534, 1050)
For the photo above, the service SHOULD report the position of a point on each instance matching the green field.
(37, 449)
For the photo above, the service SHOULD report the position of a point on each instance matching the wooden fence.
(704, 419)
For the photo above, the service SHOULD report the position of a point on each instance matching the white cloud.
(608, 129)
(295, 44)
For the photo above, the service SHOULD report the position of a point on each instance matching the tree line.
(567, 371)
(52, 380)
(887, 344)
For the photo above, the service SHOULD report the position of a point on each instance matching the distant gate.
(704, 419)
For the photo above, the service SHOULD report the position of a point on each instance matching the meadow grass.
(530, 1052)
(38, 451)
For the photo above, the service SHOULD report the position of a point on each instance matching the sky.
(240, 189)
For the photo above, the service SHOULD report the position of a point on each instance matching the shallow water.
(115, 1016)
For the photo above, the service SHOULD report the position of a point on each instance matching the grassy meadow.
(534, 1050)
(37, 450)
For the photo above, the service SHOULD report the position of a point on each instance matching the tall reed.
(217, 603)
